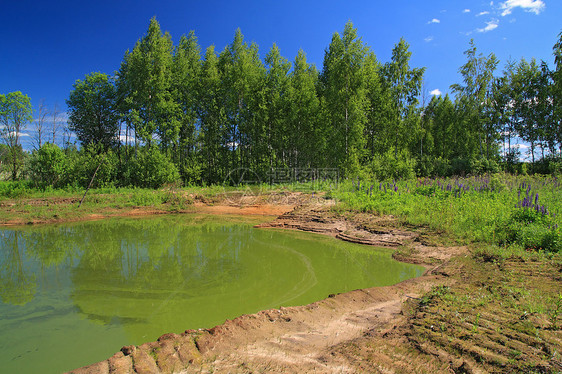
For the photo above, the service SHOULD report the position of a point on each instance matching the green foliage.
(48, 166)
(535, 236)
(532, 229)
(151, 169)
(392, 166)
(403, 85)
(142, 197)
(145, 81)
(432, 167)
(343, 88)
(481, 166)
(7, 164)
(234, 111)
(461, 166)
(475, 94)
(437, 293)
(92, 111)
(14, 190)
(91, 160)
(15, 113)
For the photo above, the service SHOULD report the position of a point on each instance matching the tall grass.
(500, 209)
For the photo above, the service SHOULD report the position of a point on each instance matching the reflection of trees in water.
(18, 285)
(135, 257)
(50, 245)
(124, 264)
(154, 254)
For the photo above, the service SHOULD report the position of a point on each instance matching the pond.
(74, 294)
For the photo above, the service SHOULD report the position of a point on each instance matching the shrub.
(48, 166)
(15, 189)
(482, 166)
(85, 163)
(390, 165)
(433, 167)
(190, 171)
(460, 166)
(532, 229)
(150, 169)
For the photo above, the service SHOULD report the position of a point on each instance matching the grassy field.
(500, 209)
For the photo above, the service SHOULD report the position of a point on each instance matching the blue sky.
(46, 45)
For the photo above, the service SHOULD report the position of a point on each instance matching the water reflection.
(18, 283)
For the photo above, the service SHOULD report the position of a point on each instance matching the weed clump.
(499, 209)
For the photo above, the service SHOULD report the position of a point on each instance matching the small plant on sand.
(556, 312)
(437, 292)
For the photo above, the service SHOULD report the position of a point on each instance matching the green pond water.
(74, 294)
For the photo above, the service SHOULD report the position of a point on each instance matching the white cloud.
(491, 25)
(533, 6)
(435, 20)
(466, 11)
(435, 92)
(428, 39)
(127, 140)
(63, 116)
(20, 134)
(482, 13)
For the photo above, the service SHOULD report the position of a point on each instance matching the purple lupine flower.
(537, 198)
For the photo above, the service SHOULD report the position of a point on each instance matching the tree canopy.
(209, 114)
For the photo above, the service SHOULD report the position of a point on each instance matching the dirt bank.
(59, 210)
(316, 337)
